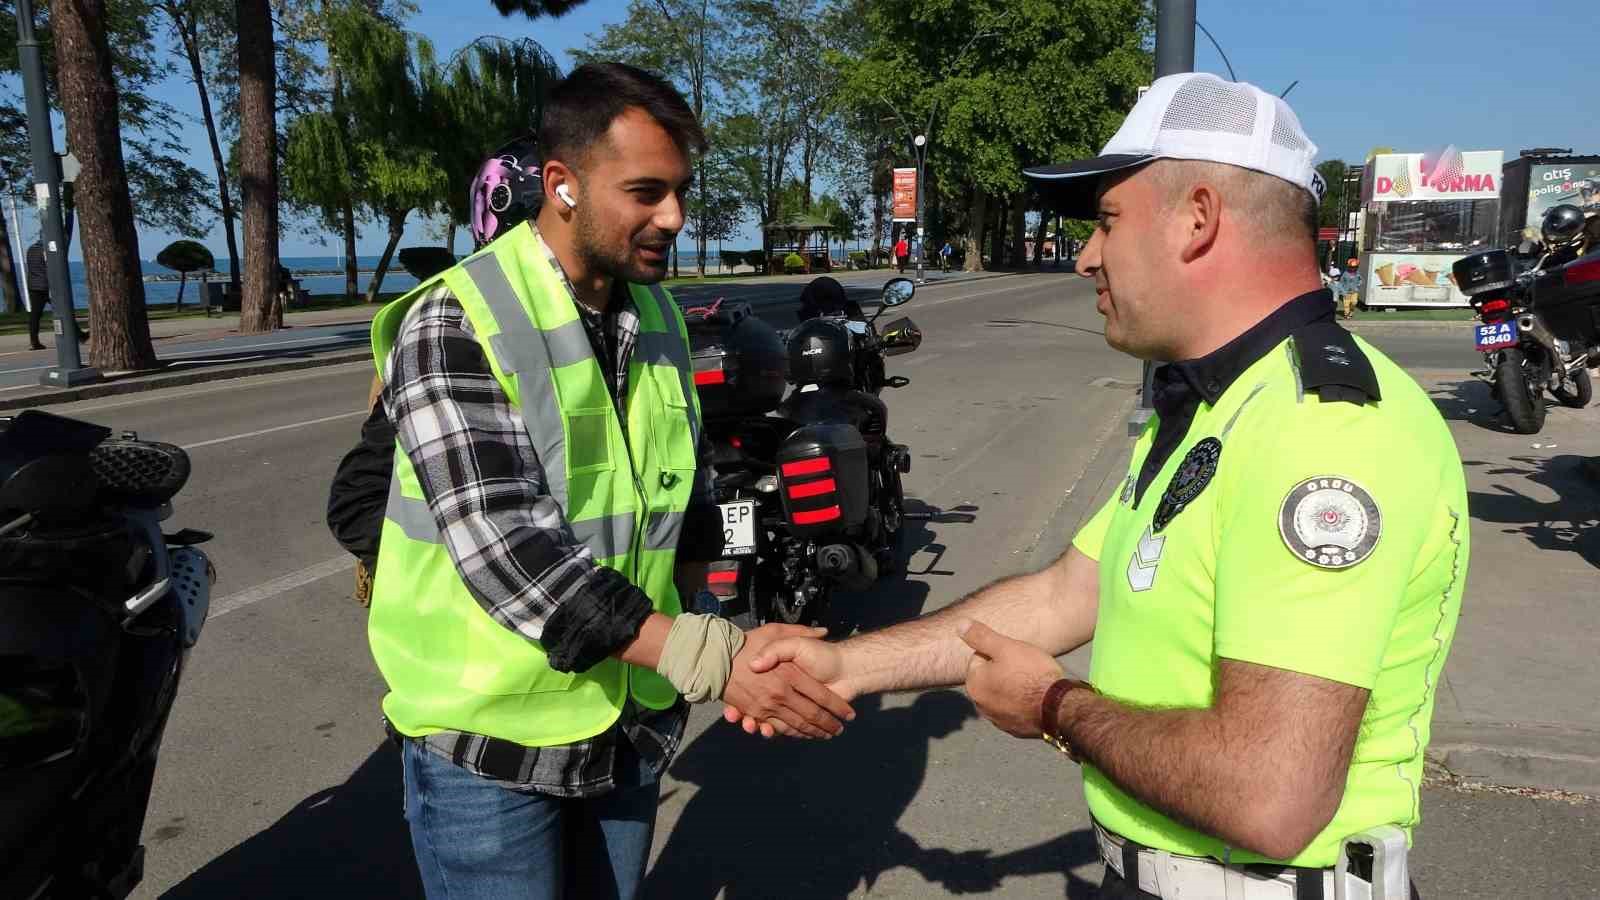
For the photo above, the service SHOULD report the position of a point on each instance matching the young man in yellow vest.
(526, 607)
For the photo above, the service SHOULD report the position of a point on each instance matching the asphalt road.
(275, 780)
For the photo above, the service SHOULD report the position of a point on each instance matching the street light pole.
(1175, 24)
(920, 142)
(69, 369)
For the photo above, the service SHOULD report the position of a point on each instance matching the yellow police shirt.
(1323, 537)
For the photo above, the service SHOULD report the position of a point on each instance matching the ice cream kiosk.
(1424, 211)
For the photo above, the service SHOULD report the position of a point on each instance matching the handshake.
(786, 680)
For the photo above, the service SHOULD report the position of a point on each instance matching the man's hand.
(783, 693)
(819, 659)
(1007, 679)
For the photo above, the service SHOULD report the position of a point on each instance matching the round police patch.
(1193, 474)
(1330, 522)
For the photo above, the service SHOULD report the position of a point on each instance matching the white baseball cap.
(1192, 115)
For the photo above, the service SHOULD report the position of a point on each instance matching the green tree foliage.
(1007, 84)
(185, 257)
(166, 192)
(490, 92)
(688, 42)
(1333, 172)
(535, 9)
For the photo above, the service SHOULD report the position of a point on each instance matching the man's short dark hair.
(581, 108)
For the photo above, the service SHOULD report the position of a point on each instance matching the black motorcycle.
(807, 479)
(98, 612)
(1540, 328)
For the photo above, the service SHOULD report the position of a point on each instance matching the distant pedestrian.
(38, 292)
(902, 251)
(1350, 288)
(944, 256)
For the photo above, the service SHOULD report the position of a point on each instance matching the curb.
(134, 384)
(1549, 757)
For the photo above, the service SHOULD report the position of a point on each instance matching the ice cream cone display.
(1386, 274)
(1402, 184)
(1452, 278)
(1422, 277)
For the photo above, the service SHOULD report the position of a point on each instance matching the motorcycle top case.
(1568, 297)
(822, 477)
(740, 363)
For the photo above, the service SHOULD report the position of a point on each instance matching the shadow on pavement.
(1569, 522)
(786, 819)
(1472, 401)
(349, 840)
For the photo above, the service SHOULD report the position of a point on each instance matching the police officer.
(1273, 590)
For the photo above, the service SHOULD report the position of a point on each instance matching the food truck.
(1537, 180)
(1424, 211)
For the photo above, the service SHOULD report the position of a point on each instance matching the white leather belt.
(1174, 876)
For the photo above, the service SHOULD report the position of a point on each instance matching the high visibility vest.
(623, 488)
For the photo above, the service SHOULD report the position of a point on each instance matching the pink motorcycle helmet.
(507, 190)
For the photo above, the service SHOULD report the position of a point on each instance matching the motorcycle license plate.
(738, 528)
(1497, 336)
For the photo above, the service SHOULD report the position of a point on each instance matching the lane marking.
(281, 585)
(260, 432)
(249, 382)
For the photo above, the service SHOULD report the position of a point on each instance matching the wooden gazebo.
(800, 233)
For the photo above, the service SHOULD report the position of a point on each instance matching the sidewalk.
(1517, 703)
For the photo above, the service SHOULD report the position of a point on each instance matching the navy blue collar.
(1210, 375)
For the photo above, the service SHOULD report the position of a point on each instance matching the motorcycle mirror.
(899, 337)
(898, 291)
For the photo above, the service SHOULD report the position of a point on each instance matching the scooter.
(98, 612)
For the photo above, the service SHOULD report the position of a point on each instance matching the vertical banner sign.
(905, 195)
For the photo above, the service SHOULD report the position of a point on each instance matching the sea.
(165, 293)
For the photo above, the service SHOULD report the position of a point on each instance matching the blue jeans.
(476, 839)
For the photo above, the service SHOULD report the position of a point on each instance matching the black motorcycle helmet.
(819, 353)
(826, 297)
(1561, 224)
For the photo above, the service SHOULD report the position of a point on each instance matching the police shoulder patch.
(1194, 473)
(1330, 522)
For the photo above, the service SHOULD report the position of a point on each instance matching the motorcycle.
(100, 611)
(805, 475)
(1540, 329)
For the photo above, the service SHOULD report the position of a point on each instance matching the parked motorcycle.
(1539, 329)
(98, 612)
(807, 479)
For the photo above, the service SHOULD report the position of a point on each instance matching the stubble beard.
(597, 256)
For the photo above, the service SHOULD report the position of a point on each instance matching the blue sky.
(1407, 75)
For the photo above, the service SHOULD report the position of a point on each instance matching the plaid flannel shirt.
(510, 541)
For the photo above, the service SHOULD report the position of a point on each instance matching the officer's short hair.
(581, 108)
(1275, 209)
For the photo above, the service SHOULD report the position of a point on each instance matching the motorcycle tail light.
(723, 579)
(1495, 307)
(1583, 272)
(818, 487)
(710, 376)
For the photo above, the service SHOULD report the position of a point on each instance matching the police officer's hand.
(1007, 679)
(784, 698)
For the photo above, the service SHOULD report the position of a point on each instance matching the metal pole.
(20, 253)
(922, 249)
(1174, 54)
(69, 369)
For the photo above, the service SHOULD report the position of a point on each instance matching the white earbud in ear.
(565, 193)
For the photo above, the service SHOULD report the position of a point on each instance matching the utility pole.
(69, 369)
(920, 145)
(1174, 54)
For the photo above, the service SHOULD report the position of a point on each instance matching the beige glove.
(697, 657)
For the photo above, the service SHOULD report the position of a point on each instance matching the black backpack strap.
(1334, 365)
